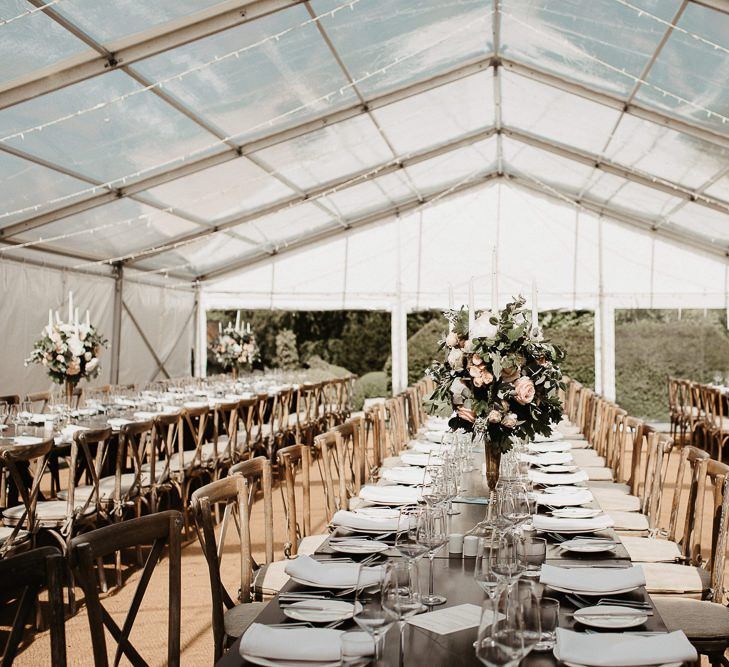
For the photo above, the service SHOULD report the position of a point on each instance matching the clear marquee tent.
(164, 158)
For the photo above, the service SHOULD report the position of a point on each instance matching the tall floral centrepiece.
(69, 351)
(500, 380)
(235, 348)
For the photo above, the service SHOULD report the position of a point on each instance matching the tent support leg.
(116, 323)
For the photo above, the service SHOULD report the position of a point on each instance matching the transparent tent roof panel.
(25, 185)
(225, 190)
(319, 157)
(33, 42)
(439, 115)
(122, 227)
(554, 114)
(689, 77)
(701, 220)
(591, 42)
(380, 193)
(272, 84)
(139, 132)
(111, 21)
(412, 41)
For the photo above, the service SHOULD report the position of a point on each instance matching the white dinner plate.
(265, 662)
(329, 587)
(617, 591)
(378, 512)
(556, 467)
(610, 617)
(326, 611)
(576, 513)
(361, 547)
(587, 547)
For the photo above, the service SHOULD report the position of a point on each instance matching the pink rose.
(452, 339)
(486, 376)
(476, 360)
(524, 390)
(494, 417)
(474, 371)
(74, 367)
(477, 381)
(465, 413)
(509, 421)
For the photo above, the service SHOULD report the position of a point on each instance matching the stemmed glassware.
(406, 541)
(401, 595)
(370, 613)
(504, 557)
(432, 533)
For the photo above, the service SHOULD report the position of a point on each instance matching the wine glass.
(369, 612)
(504, 557)
(532, 552)
(4, 413)
(401, 594)
(432, 533)
(406, 541)
(435, 492)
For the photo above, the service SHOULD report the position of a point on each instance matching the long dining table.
(454, 579)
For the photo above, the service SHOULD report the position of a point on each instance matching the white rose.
(456, 358)
(88, 356)
(457, 387)
(91, 365)
(482, 327)
(494, 417)
(75, 346)
(509, 421)
(452, 339)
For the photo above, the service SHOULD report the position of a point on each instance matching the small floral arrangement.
(235, 349)
(69, 352)
(501, 378)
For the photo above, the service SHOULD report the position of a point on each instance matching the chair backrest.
(161, 529)
(257, 473)
(196, 419)
(89, 452)
(717, 592)
(248, 428)
(136, 444)
(376, 433)
(714, 481)
(225, 430)
(29, 572)
(10, 399)
(289, 459)
(26, 455)
(39, 399)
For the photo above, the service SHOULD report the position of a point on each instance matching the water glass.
(532, 552)
(432, 534)
(401, 595)
(549, 620)
(406, 541)
(370, 614)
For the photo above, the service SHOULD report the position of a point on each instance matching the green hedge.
(370, 385)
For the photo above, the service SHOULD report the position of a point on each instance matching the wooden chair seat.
(650, 549)
(697, 618)
(629, 521)
(614, 500)
(675, 579)
(237, 619)
(49, 513)
(600, 474)
(106, 487)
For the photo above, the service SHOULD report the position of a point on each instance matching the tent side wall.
(28, 292)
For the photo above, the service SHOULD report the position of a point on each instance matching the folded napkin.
(117, 422)
(26, 440)
(427, 447)
(406, 475)
(300, 644)
(542, 447)
(394, 494)
(126, 402)
(564, 499)
(555, 524)
(611, 649)
(538, 477)
(547, 459)
(592, 580)
(358, 521)
(305, 568)
(555, 435)
(68, 432)
(420, 459)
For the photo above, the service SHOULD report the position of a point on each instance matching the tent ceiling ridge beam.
(338, 185)
(632, 109)
(152, 42)
(610, 167)
(220, 157)
(357, 223)
(598, 208)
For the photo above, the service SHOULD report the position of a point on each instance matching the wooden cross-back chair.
(231, 615)
(160, 530)
(376, 433)
(39, 400)
(225, 436)
(249, 432)
(277, 429)
(18, 462)
(342, 464)
(396, 429)
(308, 423)
(22, 576)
